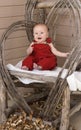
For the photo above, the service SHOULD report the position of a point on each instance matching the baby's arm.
(56, 52)
(30, 49)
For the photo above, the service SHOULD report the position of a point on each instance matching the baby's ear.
(33, 34)
(47, 34)
(48, 29)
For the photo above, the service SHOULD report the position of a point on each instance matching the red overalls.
(42, 56)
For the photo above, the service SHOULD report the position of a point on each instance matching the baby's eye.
(41, 32)
(36, 33)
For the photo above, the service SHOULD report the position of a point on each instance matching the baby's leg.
(47, 63)
(27, 63)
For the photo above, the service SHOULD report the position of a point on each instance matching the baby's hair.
(41, 24)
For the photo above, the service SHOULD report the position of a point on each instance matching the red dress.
(42, 56)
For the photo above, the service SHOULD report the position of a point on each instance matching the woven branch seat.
(60, 86)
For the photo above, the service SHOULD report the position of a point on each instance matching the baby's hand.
(67, 54)
(29, 50)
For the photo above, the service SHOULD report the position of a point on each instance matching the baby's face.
(40, 33)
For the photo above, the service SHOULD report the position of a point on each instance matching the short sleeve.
(48, 40)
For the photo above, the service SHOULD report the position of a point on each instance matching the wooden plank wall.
(64, 35)
(15, 47)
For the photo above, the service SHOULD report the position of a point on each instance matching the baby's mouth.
(39, 38)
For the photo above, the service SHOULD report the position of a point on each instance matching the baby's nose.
(39, 34)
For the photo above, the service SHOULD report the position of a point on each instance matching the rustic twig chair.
(60, 86)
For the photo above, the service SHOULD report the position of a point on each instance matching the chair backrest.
(58, 13)
(62, 19)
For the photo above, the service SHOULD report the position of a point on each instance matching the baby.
(41, 54)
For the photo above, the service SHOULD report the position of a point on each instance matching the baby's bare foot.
(24, 68)
(39, 67)
(35, 66)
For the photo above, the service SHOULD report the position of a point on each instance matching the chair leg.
(3, 102)
(65, 110)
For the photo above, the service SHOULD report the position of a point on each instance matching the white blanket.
(74, 80)
(53, 73)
